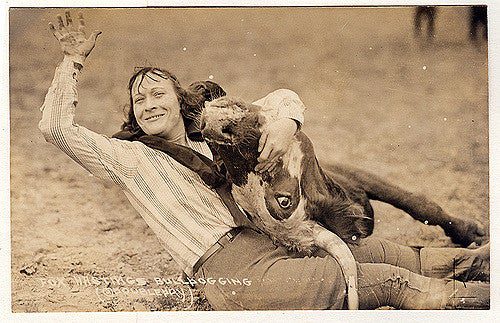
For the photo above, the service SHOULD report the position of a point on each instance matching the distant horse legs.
(424, 12)
(478, 17)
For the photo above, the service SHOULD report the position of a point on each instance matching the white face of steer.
(274, 200)
(276, 203)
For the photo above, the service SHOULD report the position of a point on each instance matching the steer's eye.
(284, 201)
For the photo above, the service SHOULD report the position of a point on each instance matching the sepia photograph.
(170, 159)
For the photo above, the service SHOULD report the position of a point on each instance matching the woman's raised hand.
(275, 142)
(72, 38)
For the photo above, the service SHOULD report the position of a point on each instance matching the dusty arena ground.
(414, 113)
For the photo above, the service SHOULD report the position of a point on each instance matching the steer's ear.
(207, 89)
(328, 203)
(312, 180)
(350, 223)
(318, 189)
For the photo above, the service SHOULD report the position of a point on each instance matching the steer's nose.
(227, 129)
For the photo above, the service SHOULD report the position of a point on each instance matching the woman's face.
(156, 107)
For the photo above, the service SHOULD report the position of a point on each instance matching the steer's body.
(297, 199)
(336, 196)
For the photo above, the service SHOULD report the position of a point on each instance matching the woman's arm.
(106, 158)
(288, 110)
(287, 104)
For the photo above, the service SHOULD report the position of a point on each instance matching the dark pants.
(388, 274)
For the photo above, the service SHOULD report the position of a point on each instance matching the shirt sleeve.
(286, 102)
(108, 159)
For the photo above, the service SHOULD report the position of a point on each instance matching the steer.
(295, 201)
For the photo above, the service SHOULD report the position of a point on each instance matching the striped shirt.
(186, 215)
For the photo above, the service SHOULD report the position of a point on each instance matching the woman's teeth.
(154, 117)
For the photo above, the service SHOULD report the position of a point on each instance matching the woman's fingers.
(61, 22)
(268, 160)
(262, 166)
(57, 34)
(66, 23)
(69, 21)
(81, 22)
(263, 140)
(270, 165)
(274, 142)
(263, 158)
(71, 36)
(275, 154)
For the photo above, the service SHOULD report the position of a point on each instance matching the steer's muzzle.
(230, 121)
(215, 130)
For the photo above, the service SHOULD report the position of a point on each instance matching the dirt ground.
(414, 113)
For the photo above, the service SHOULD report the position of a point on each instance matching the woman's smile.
(154, 117)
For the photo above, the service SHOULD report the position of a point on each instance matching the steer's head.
(286, 201)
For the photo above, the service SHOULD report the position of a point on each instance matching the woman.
(195, 225)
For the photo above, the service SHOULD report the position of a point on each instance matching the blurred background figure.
(478, 18)
(421, 13)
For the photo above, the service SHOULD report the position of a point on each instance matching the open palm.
(72, 37)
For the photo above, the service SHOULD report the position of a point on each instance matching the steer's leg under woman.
(285, 280)
(454, 263)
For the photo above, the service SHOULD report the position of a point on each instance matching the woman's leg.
(454, 263)
(276, 278)
(387, 285)
(282, 280)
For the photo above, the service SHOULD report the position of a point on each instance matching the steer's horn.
(339, 250)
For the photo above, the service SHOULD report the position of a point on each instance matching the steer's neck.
(238, 162)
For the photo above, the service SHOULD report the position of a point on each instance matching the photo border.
(407, 316)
